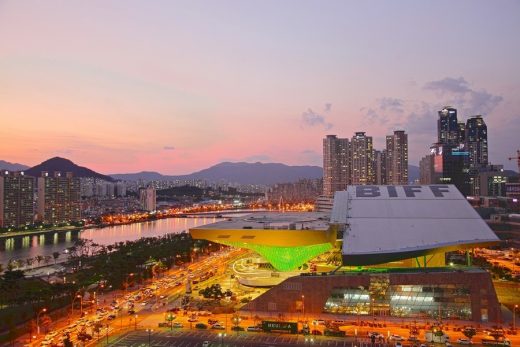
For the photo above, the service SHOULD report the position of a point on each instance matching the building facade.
(59, 198)
(362, 159)
(447, 126)
(336, 164)
(397, 158)
(16, 199)
(148, 198)
(476, 142)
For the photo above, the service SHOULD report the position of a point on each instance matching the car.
(448, 344)
(395, 337)
(205, 344)
(144, 303)
(464, 342)
(254, 329)
(131, 311)
(177, 325)
(111, 317)
(218, 326)
(398, 344)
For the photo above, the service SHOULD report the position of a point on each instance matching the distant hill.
(243, 173)
(65, 165)
(143, 175)
(413, 173)
(5, 165)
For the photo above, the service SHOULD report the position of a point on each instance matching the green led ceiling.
(284, 258)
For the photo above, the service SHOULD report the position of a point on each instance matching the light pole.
(107, 333)
(170, 317)
(303, 307)
(221, 336)
(77, 296)
(149, 331)
(514, 317)
(135, 322)
(38, 320)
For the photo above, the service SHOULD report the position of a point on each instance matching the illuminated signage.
(438, 191)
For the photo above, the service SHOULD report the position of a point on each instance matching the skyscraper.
(380, 167)
(397, 158)
(59, 198)
(362, 159)
(148, 198)
(336, 164)
(476, 142)
(426, 170)
(447, 126)
(16, 199)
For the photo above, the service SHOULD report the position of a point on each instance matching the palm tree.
(29, 261)
(39, 259)
(55, 255)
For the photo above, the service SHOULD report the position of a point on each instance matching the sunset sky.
(177, 86)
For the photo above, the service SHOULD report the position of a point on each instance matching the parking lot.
(196, 338)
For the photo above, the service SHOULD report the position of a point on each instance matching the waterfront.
(45, 244)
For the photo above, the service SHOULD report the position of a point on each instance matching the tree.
(47, 259)
(469, 332)
(29, 262)
(55, 255)
(45, 322)
(39, 259)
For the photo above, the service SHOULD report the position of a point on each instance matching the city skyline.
(177, 87)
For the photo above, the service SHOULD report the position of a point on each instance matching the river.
(31, 246)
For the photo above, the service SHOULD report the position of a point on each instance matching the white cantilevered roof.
(386, 223)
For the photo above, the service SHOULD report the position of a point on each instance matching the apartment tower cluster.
(49, 199)
(355, 161)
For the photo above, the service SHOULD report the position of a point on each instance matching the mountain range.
(242, 173)
(5, 165)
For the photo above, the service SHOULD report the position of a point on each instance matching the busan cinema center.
(381, 251)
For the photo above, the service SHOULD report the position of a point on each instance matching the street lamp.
(303, 306)
(43, 310)
(221, 337)
(77, 296)
(514, 317)
(170, 317)
(149, 331)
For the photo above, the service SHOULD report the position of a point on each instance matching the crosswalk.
(195, 338)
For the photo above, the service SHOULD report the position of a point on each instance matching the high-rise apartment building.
(336, 164)
(380, 166)
(447, 126)
(59, 198)
(476, 142)
(362, 162)
(16, 199)
(148, 198)
(426, 170)
(397, 158)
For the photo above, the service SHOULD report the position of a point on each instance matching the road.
(242, 339)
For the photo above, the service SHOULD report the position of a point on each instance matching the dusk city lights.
(338, 173)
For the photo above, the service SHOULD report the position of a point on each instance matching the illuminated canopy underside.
(286, 240)
(284, 258)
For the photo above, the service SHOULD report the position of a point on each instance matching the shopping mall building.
(391, 242)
